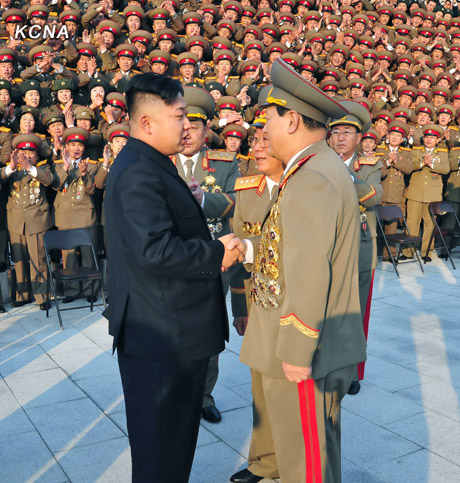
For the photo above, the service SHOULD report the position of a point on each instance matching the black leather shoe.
(444, 256)
(211, 414)
(386, 259)
(20, 303)
(44, 306)
(2, 309)
(69, 299)
(404, 257)
(91, 298)
(427, 259)
(245, 476)
(354, 388)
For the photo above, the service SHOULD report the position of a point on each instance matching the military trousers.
(262, 458)
(70, 260)
(366, 285)
(29, 258)
(305, 424)
(449, 223)
(416, 212)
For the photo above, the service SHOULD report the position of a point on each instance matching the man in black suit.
(167, 311)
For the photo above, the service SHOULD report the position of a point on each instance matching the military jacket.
(28, 211)
(216, 171)
(425, 183)
(73, 205)
(393, 173)
(6, 138)
(452, 192)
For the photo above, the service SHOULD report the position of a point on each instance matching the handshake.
(235, 250)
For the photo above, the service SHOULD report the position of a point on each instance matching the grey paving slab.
(441, 368)
(104, 462)
(244, 390)
(419, 467)
(354, 474)
(43, 387)
(11, 333)
(366, 444)
(235, 429)
(18, 360)
(432, 431)
(25, 457)
(13, 419)
(62, 341)
(73, 423)
(119, 418)
(106, 391)
(83, 363)
(227, 399)
(232, 372)
(205, 437)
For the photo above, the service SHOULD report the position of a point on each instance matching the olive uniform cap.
(29, 85)
(75, 134)
(224, 54)
(187, 58)
(398, 126)
(28, 110)
(118, 130)
(14, 15)
(159, 57)
(38, 11)
(4, 84)
(432, 130)
(116, 99)
(8, 55)
(215, 86)
(109, 26)
(27, 142)
(86, 49)
(200, 103)
(142, 36)
(228, 102)
(372, 134)
(357, 116)
(60, 84)
(52, 117)
(236, 131)
(70, 16)
(166, 34)
(83, 112)
(38, 51)
(126, 50)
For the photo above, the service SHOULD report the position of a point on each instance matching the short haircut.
(309, 123)
(142, 86)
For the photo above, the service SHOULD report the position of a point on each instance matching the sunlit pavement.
(62, 411)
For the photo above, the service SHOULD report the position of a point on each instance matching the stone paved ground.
(62, 412)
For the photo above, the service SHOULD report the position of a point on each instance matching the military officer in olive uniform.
(73, 206)
(125, 54)
(396, 162)
(211, 176)
(429, 163)
(29, 217)
(452, 195)
(305, 333)
(345, 136)
(254, 195)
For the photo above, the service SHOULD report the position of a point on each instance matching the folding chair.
(68, 240)
(390, 214)
(441, 208)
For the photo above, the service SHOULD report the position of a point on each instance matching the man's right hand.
(235, 250)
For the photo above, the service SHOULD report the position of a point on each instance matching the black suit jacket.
(166, 298)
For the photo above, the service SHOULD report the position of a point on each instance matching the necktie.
(75, 164)
(274, 192)
(189, 166)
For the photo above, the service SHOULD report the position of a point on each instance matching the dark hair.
(309, 123)
(150, 84)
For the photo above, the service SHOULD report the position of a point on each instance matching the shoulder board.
(368, 160)
(53, 14)
(342, 70)
(92, 161)
(5, 129)
(211, 77)
(419, 147)
(238, 45)
(455, 149)
(442, 150)
(18, 80)
(136, 71)
(103, 115)
(197, 79)
(41, 163)
(233, 77)
(59, 161)
(248, 182)
(405, 149)
(101, 160)
(72, 69)
(40, 135)
(174, 56)
(242, 156)
(181, 36)
(220, 156)
(382, 146)
(453, 128)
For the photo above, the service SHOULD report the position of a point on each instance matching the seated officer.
(73, 206)
(29, 217)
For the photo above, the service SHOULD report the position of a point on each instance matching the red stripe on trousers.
(307, 405)
(367, 316)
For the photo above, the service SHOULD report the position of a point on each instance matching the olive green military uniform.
(74, 208)
(252, 203)
(425, 186)
(393, 183)
(6, 138)
(452, 194)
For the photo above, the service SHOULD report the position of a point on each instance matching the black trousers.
(163, 409)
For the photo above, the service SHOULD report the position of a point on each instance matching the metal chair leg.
(53, 289)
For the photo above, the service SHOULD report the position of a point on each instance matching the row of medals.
(79, 188)
(265, 288)
(215, 225)
(34, 192)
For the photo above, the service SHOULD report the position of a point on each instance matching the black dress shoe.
(2, 309)
(245, 476)
(405, 257)
(20, 303)
(211, 414)
(427, 259)
(354, 388)
(69, 299)
(44, 306)
(91, 299)
(386, 259)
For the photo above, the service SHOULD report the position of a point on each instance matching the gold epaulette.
(42, 136)
(454, 128)
(405, 149)
(418, 147)
(103, 115)
(181, 36)
(211, 77)
(18, 80)
(220, 155)
(53, 14)
(442, 150)
(368, 160)
(92, 161)
(455, 149)
(233, 77)
(72, 69)
(197, 79)
(136, 71)
(59, 161)
(174, 56)
(41, 163)
(238, 45)
(101, 160)
(248, 182)
(382, 146)
(242, 156)
(5, 129)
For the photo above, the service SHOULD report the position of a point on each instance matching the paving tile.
(14, 334)
(235, 341)
(231, 371)
(105, 462)
(73, 423)
(61, 341)
(19, 360)
(432, 431)
(244, 390)
(119, 418)
(205, 437)
(235, 429)
(83, 363)
(13, 419)
(25, 457)
(106, 391)
(226, 399)
(215, 463)
(355, 474)
(366, 444)
(421, 466)
(43, 387)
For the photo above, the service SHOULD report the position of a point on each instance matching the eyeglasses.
(264, 142)
(343, 133)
